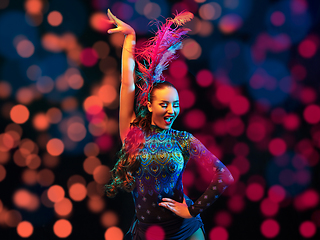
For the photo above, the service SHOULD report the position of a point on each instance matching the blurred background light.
(25, 229)
(247, 79)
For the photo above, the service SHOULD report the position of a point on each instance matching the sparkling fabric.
(163, 160)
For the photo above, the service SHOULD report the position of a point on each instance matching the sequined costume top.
(163, 159)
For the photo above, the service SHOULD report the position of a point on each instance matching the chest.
(161, 157)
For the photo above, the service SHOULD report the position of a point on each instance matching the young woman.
(154, 156)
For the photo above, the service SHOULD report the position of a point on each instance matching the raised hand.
(180, 209)
(120, 25)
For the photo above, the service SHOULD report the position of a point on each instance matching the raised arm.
(127, 89)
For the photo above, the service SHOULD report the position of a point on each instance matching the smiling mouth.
(168, 120)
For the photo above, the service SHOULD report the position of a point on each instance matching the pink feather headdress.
(158, 52)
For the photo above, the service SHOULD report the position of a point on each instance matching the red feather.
(158, 51)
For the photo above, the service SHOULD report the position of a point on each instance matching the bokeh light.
(109, 219)
(19, 114)
(62, 228)
(25, 229)
(55, 18)
(77, 192)
(307, 229)
(63, 207)
(270, 228)
(101, 174)
(248, 86)
(55, 147)
(56, 193)
(155, 232)
(219, 233)
(113, 233)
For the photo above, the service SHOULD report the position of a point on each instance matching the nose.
(170, 109)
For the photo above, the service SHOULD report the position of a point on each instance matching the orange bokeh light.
(3, 173)
(98, 22)
(107, 94)
(90, 164)
(24, 95)
(54, 115)
(6, 142)
(77, 192)
(19, 114)
(113, 233)
(94, 189)
(55, 147)
(55, 18)
(16, 137)
(24, 199)
(76, 179)
(96, 204)
(191, 49)
(75, 81)
(29, 177)
(27, 147)
(97, 127)
(76, 131)
(45, 177)
(109, 219)
(93, 105)
(91, 149)
(69, 104)
(4, 157)
(40, 122)
(102, 48)
(62, 228)
(12, 218)
(45, 200)
(51, 42)
(50, 161)
(55, 193)
(25, 229)
(19, 158)
(33, 7)
(5, 89)
(64, 207)
(33, 161)
(101, 174)
(12, 127)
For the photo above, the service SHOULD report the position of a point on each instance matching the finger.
(113, 30)
(168, 200)
(114, 18)
(110, 16)
(166, 204)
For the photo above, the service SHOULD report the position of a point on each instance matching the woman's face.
(164, 107)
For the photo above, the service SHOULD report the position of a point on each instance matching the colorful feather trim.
(156, 54)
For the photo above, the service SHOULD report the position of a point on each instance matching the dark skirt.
(176, 229)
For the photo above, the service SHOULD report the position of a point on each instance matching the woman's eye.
(176, 105)
(163, 105)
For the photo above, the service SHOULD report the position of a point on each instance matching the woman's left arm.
(220, 177)
(219, 174)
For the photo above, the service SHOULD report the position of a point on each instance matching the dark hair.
(129, 154)
(143, 119)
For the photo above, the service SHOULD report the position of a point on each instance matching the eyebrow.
(168, 101)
